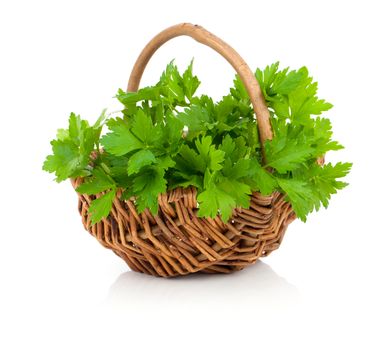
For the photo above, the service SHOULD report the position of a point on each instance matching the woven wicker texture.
(175, 241)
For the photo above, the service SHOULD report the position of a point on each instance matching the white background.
(325, 288)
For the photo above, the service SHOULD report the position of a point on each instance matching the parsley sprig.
(168, 137)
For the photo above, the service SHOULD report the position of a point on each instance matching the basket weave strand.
(176, 241)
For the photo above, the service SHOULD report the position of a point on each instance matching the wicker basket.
(176, 241)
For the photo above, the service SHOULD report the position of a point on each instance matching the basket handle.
(204, 37)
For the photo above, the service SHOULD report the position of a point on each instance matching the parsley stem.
(105, 168)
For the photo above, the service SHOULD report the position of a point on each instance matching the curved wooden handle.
(204, 37)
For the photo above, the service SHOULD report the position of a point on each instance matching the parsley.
(169, 137)
(72, 148)
(101, 207)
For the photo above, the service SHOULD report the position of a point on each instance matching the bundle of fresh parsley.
(168, 137)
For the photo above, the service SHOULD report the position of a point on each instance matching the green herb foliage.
(168, 137)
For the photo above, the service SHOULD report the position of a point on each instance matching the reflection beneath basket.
(257, 287)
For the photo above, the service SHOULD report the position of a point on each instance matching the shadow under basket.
(176, 241)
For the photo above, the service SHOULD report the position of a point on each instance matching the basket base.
(177, 242)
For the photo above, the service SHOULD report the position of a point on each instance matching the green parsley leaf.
(100, 182)
(299, 195)
(214, 200)
(239, 191)
(261, 180)
(101, 207)
(147, 186)
(144, 129)
(197, 119)
(120, 141)
(213, 158)
(324, 183)
(284, 154)
(65, 160)
(140, 159)
(190, 82)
